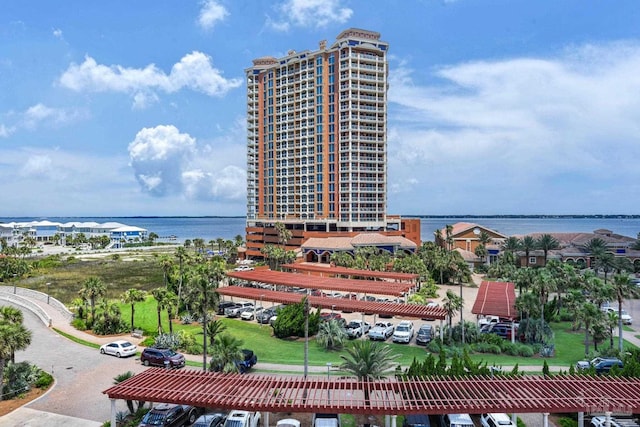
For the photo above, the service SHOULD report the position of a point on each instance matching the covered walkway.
(435, 395)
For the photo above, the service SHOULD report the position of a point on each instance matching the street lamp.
(48, 284)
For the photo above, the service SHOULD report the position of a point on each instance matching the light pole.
(461, 311)
(48, 284)
(256, 314)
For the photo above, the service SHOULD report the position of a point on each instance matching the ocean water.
(211, 228)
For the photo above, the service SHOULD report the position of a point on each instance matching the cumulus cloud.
(211, 13)
(5, 131)
(537, 132)
(57, 33)
(167, 162)
(38, 165)
(194, 71)
(309, 13)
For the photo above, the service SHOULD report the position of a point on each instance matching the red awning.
(329, 271)
(496, 299)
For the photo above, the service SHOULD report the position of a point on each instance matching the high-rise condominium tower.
(317, 140)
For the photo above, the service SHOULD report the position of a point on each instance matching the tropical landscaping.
(169, 295)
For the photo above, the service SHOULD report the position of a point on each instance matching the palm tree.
(205, 281)
(170, 302)
(167, 265)
(588, 314)
(132, 296)
(512, 244)
(213, 329)
(13, 337)
(331, 335)
(91, 290)
(452, 304)
(547, 242)
(596, 247)
(181, 254)
(160, 295)
(623, 289)
(527, 244)
(449, 238)
(224, 354)
(367, 361)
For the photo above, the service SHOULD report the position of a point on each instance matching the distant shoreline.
(494, 216)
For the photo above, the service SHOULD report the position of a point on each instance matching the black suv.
(162, 357)
(425, 334)
(169, 415)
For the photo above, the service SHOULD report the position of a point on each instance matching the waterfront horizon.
(227, 227)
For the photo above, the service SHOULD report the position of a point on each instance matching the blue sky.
(495, 106)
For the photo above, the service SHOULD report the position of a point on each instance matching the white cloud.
(39, 115)
(5, 131)
(167, 162)
(194, 71)
(310, 13)
(57, 33)
(211, 13)
(38, 166)
(521, 134)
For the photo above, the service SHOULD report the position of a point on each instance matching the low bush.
(44, 380)
(485, 347)
(79, 324)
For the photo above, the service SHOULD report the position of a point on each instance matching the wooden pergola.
(430, 395)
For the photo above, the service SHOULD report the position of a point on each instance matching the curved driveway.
(81, 373)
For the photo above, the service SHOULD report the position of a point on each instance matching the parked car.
(212, 419)
(238, 418)
(162, 357)
(264, 316)
(601, 365)
(357, 328)
(236, 310)
(456, 420)
(169, 415)
(503, 330)
(424, 335)
(403, 332)
(326, 420)
(249, 359)
(416, 420)
(119, 348)
(223, 305)
(626, 318)
(381, 331)
(250, 313)
(496, 420)
(601, 421)
(288, 422)
(243, 268)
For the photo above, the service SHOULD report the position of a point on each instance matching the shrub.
(525, 350)
(44, 380)
(79, 324)
(290, 322)
(484, 347)
(172, 341)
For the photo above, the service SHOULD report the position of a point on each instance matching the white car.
(251, 313)
(120, 348)
(288, 422)
(403, 332)
(626, 318)
(381, 331)
(495, 420)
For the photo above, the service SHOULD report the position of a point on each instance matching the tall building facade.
(317, 141)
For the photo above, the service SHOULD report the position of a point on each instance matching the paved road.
(81, 374)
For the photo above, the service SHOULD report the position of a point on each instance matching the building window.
(532, 260)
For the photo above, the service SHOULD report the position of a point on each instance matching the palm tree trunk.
(159, 320)
(204, 332)
(620, 340)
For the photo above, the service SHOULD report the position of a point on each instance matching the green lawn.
(569, 345)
